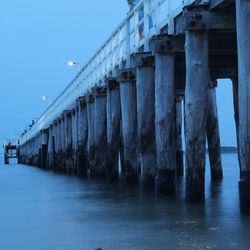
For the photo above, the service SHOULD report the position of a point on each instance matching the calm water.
(45, 211)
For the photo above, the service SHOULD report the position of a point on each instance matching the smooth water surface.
(42, 210)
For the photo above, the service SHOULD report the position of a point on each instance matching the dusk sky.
(39, 37)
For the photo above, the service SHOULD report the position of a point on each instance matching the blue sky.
(37, 40)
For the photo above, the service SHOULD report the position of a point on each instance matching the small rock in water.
(98, 248)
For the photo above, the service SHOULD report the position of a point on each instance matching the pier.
(121, 116)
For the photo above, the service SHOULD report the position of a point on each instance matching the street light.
(73, 64)
(46, 98)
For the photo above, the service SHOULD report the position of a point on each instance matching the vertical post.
(145, 90)
(50, 157)
(195, 111)
(178, 133)
(82, 143)
(91, 132)
(122, 159)
(63, 142)
(100, 132)
(68, 141)
(44, 148)
(113, 128)
(129, 120)
(236, 113)
(213, 134)
(243, 38)
(55, 144)
(59, 144)
(74, 139)
(165, 117)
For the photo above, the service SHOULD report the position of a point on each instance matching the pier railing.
(146, 19)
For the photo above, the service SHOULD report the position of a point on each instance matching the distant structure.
(11, 150)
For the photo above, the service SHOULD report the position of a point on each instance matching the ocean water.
(42, 210)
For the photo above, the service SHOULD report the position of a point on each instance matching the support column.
(145, 89)
(91, 133)
(44, 148)
(165, 117)
(236, 114)
(213, 134)
(197, 79)
(129, 123)
(59, 144)
(82, 144)
(100, 131)
(55, 144)
(243, 38)
(68, 141)
(74, 115)
(113, 128)
(63, 142)
(51, 152)
(178, 133)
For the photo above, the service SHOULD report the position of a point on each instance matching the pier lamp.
(46, 98)
(74, 64)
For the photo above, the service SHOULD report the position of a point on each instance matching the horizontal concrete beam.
(199, 17)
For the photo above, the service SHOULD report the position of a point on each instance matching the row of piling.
(131, 126)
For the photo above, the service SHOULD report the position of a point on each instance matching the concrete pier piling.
(145, 90)
(51, 149)
(100, 94)
(44, 148)
(68, 141)
(113, 127)
(243, 38)
(56, 144)
(91, 132)
(129, 123)
(74, 115)
(197, 79)
(178, 133)
(82, 142)
(235, 87)
(59, 144)
(63, 153)
(213, 134)
(165, 116)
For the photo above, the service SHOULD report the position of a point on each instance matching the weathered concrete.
(44, 148)
(145, 90)
(74, 120)
(121, 153)
(100, 94)
(56, 135)
(63, 153)
(178, 133)
(113, 128)
(165, 122)
(68, 141)
(235, 87)
(213, 134)
(197, 79)
(91, 132)
(51, 149)
(243, 38)
(60, 137)
(82, 143)
(129, 123)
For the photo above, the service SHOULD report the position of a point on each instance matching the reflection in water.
(46, 211)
